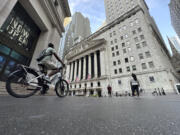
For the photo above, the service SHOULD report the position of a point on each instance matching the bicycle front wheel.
(17, 84)
(62, 88)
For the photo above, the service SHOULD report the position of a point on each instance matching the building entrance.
(18, 38)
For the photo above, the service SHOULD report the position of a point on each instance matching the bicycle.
(25, 82)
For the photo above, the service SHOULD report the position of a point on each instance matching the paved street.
(90, 116)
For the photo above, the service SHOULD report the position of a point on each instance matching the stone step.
(3, 88)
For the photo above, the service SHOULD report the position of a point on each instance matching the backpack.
(42, 55)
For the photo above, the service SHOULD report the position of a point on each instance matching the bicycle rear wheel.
(17, 84)
(62, 88)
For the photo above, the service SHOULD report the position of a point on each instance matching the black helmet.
(51, 45)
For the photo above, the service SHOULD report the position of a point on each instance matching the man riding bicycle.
(46, 61)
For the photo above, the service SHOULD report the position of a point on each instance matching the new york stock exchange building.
(26, 28)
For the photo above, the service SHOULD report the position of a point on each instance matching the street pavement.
(50, 115)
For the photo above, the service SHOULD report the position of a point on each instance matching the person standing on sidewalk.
(109, 88)
(134, 85)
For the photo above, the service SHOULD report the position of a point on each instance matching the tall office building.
(175, 15)
(129, 43)
(76, 30)
(175, 44)
(175, 59)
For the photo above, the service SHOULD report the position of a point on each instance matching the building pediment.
(84, 46)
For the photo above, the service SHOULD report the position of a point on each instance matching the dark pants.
(135, 88)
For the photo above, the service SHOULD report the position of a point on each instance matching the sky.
(95, 11)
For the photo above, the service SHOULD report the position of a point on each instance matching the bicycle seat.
(41, 65)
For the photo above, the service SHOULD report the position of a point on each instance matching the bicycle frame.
(30, 82)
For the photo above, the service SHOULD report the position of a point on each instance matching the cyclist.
(47, 62)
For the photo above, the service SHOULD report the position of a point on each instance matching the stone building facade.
(129, 43)
(26, 28)
(174, 7)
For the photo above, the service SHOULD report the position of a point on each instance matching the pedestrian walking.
(163, 92)
(109, 88)
(159, 92)
(134, 85)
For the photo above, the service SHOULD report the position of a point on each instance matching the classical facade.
(76, 30)
(26, 28)
(175, 15)
(131, 43)
(175, 44)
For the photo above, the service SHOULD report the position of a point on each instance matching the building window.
(151, 78)
(120, 70)
(99, 84)
(138, 46)
(126, 60)
(139, 29)
(124, 50)
(142, 37)
(144, 44)
(115, 40)
(151, 64)
(141, 56)
(136, 39)
(132, 58)
(114, 63)
(110, 34)
(111, 42)
(128, 69)
(79, 85)
(91, 84)
(123, 44)
(116, 47)
(119, 82)
(144, 66)
(134, 32)
(134, 67)
(117, 53)
(113, 54)
(122, 37)
(115, 71)
(148, 54)
(114, 32)
(119, 62)
(112, 48)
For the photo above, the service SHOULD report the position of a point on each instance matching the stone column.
(75, 70)
(84, 72)
(67, 72)
(95, 66)
(71, 71)
(102, 63)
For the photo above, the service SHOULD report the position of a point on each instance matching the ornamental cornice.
(53, 15)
